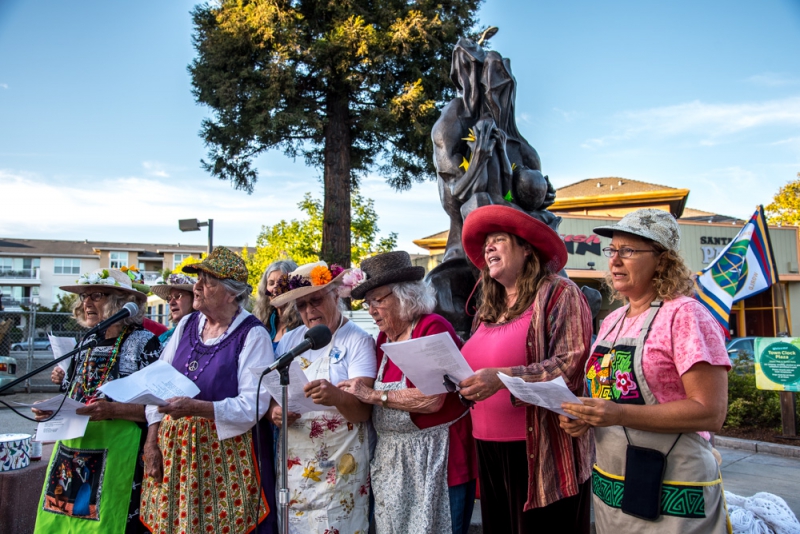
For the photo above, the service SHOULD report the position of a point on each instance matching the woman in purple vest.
(200, 455)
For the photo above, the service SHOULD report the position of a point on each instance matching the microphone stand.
(283, 493)
(49, 364)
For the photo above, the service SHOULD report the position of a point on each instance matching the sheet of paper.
(426, 360)
(60, 346)
(152, 385)
(298, 402)
(62, 426)
(70, 405)
(548, 395)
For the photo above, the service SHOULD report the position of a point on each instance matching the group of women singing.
(636, 445)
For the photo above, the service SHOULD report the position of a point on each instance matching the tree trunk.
(336, 178)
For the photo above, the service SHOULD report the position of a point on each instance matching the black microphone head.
(132, 308)
(319, 336)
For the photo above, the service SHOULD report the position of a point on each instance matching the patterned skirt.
(209, 485)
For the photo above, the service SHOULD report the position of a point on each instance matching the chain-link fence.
(24, 338)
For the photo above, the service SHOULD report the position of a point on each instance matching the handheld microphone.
(127, 310)
(315, 338)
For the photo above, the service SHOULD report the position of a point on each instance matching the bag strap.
(670, 449)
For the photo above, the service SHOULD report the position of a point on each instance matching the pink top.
(682, 334)
(498, 345)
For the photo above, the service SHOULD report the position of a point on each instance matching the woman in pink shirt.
(657, 377)
(533, 324)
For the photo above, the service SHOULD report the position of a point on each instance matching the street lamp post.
(192, 225)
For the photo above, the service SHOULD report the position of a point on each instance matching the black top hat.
(387, 268)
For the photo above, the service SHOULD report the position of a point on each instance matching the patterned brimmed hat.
(656, 225)
(313, 277)
(489, 219)
(173, 281)
(388, 268)
(100, 279)
(222, 263)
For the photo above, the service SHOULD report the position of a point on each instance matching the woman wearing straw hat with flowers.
(200, 453)
(114, 433)
(328, 455)
(424, 468)
(178, 292)
(533, 324)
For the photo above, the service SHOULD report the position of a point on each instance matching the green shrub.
(747, 405)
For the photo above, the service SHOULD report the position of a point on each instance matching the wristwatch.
(385, 399)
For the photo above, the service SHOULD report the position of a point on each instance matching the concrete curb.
(763, 447)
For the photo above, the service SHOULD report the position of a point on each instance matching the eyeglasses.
(624, 252)
(313, 302)
(376, 302)
(96, 296)
(452, 387)
(176, 298)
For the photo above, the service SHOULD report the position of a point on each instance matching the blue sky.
(98, 126)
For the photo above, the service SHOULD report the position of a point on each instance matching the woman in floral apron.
(657, 378)
(424, 468)
(206, 470)
(329, 449)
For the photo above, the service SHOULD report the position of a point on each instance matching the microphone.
(315, 338)
(127, 310)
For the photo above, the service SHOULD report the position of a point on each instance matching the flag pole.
(788, 406)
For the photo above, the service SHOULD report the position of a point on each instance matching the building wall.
(51, 281)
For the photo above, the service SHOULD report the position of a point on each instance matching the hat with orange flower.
(313, 277)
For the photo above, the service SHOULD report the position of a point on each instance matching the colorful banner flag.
(744, 268)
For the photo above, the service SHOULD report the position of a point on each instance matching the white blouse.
(235, 415)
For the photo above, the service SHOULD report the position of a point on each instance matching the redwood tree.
(350, 85)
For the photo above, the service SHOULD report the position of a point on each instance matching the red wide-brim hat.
(488, 219)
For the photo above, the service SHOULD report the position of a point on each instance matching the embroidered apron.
(89, 479)
(692, 500)
(328, 468)
(409, 470)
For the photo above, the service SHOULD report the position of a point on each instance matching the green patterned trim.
(678, 501)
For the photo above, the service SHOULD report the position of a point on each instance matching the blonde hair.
(493, 295)
(671, 279)
(113, 303)
(262, 308)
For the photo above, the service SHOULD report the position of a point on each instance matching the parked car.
(8, 370)
(38, 344)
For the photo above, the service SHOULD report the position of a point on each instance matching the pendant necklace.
(194, 364)
(609, 356)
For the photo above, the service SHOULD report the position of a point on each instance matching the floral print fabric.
(209, 485)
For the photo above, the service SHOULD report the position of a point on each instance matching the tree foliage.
(302, 240)
(785, 206)
(349, 85)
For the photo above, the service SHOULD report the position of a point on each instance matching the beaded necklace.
(89, 390)
(193, 364)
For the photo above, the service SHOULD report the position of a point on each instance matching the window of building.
(178, 258)
(66, 266)
(117, 260)
(6, 264)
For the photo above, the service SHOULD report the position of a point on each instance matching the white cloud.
(568, 116)
(773, 79)
(709, 122)
(4, 85)
(154, 168)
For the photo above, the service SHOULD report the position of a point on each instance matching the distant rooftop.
(54, 247)
(612, 185)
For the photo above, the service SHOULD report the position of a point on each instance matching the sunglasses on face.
(96, 296)
(452, 387)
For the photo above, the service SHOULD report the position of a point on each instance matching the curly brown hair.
(493, 295)
(672, 277)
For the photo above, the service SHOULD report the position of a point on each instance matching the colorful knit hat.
(221, 263)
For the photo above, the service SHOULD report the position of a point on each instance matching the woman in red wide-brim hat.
(534, 324)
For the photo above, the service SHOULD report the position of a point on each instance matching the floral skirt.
(209, 485)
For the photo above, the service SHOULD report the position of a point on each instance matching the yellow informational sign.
(777, 363)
